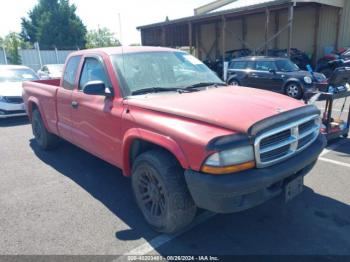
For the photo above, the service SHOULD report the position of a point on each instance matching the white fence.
(35, 59)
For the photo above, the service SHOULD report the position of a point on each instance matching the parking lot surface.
(69, 202)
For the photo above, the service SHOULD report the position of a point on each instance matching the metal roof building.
(309, 25)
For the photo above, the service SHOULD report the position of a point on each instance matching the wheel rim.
(293, 90)
(234, 83)
(151, 194)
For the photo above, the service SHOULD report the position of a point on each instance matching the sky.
(104, 13)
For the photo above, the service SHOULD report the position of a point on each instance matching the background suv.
(274, 74)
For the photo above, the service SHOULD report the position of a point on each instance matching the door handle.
(75, 104)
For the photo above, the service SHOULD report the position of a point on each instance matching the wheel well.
(233, 78)
(140, 146)
(32, 106)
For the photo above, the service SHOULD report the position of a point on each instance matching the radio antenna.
(121, 41)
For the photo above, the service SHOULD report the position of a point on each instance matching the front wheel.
(233, 82)
(294, 90)
(161, 193)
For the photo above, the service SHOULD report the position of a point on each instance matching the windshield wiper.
(204, 84)
(153, 90)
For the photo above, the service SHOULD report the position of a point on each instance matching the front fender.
(163, 141)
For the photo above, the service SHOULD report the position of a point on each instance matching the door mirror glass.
(96, 88)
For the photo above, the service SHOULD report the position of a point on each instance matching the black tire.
(161, 192)
(294, 90)
(44, 138)
(233, 82)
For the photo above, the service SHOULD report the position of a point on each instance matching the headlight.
(230, 161)
(307, 80)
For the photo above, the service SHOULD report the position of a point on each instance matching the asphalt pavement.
(68, 202)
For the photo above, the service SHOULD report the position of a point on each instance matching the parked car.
(11, 78)
(186, 140)
(51, 71)
(274, 74)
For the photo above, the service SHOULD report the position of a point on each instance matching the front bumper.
(11, 110)
(246, 189)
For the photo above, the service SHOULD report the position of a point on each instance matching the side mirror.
(97, 88)
(273, 71)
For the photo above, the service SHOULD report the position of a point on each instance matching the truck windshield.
(286, 66)
(17, 75)
(165, 69)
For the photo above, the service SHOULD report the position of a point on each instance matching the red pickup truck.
(185, 138)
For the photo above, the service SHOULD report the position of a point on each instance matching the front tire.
(294, 90)
(161, 192)
(44, 138)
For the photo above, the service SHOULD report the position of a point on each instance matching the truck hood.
(11, 89)
(234, 108)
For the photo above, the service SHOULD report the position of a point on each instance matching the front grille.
(268, 141)
(14, 99)
(283, 142)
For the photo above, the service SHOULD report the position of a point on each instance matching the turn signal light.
(216, 170)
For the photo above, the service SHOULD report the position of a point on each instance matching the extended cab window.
(93, 70)
(70, 72)
(265, 65)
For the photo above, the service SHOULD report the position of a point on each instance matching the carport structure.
(311, 26)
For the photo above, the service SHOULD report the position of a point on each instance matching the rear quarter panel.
(42, 94)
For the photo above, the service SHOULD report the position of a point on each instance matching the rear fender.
(155, 138)
(33, 101)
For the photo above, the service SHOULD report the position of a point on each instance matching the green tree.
(54, 23)
(102, 37)
(12, 43)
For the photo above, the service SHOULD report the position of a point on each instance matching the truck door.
(97, 118)
(64, 98)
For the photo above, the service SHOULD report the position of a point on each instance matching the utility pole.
(39, 54)
(56, 52)
(4, 52)
(120, 29)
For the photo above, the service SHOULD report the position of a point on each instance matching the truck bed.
(44, 94)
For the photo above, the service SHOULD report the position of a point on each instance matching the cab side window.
(70, 72)
(92, 70)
